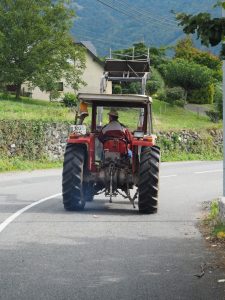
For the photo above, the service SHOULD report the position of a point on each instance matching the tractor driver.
(114, 129)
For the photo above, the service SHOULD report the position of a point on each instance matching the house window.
(60, 86)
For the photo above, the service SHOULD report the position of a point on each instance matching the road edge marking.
(10, 219)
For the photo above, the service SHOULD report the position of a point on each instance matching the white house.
(92, 76)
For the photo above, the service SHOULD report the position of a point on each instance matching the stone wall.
(34, 139)
(191, 140)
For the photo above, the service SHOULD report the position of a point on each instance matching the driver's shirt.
(115, 130)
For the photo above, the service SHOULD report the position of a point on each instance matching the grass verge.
(21, 164)
(174, 156)
(212, 227)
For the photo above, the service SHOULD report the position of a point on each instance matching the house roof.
(91, 50)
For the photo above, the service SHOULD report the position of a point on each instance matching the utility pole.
(223, 15)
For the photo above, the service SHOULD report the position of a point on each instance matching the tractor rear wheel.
(149, 180)
(73, 176)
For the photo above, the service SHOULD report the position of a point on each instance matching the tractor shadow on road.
(103, 207)
(109, 211)
(96, 207)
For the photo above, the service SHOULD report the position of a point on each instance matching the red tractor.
(114, 166)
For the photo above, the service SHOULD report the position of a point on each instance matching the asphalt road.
(108, 251)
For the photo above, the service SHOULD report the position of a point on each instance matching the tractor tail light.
(150, 139)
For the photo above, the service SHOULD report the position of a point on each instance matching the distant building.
(92, 76)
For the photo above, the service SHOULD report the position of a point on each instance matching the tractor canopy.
(98, 101)
(115, 99)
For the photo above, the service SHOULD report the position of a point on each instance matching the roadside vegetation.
(20, 164)
(212, 227)
(166, 117)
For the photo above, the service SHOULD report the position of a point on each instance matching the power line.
(147, 15)
(130, 13)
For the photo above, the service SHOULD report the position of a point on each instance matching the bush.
(175, 94)
(180, 103)
(213, 115)
(70, 99)
(155, 83)
(202, 96)
(117, 89)
(152, 87)
(161, 95)
(134, 88)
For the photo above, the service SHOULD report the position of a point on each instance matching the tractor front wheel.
(149, 180)
(73, 176)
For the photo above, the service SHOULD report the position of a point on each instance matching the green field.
(165, 117)
(29, 109)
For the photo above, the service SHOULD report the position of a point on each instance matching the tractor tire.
(149, 180)
(73, 175)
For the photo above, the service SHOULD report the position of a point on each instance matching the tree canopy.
(36, 46)
(188, 75)
(185, 49)
(211, 31)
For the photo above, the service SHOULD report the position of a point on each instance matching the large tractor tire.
(73, 175)
(149, 180)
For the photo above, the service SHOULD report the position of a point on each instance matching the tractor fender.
(88, 144)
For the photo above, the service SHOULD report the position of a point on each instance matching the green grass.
(186, 156)
(217, 228)
(30, 109)
(219, 231)
(165, 117)
(214, 210)
(21, 164)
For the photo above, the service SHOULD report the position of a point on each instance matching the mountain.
(132, 21)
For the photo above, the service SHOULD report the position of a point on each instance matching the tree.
(188, 75)
(35, 44)
(210, 31)
(185, 49)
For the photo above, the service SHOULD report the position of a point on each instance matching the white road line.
(10, 219)
(209, 171)
(168, 176)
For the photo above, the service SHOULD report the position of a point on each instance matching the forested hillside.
(150, 21)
